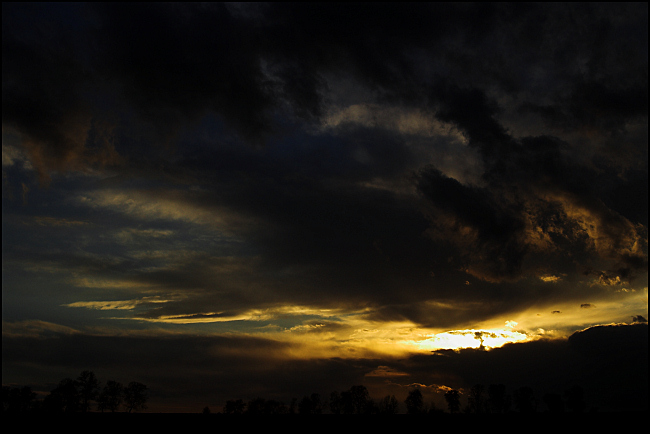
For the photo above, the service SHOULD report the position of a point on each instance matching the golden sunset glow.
(458, 339)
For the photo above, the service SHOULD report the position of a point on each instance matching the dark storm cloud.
(499, 230)
(526, 179)
(172, 64)
(526, 187)
(46, 82)
(190, 58)
(604, 79)
(167, 65)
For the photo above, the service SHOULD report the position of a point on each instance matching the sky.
(232, 201)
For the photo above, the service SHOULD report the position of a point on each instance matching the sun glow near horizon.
(308, 332)
(470, 338)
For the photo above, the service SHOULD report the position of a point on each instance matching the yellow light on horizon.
(470, 338)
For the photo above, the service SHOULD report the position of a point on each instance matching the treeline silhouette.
(81, 395)
(85, 394)
(480, 400)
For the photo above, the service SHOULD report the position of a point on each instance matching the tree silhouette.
(272, 406)
(525, 400)
(310, 405)
(356, 400)
(554, 402)
(414, 402)
(433, 409)
(64, 398)
(575, 399)
(476, 400)
(111, 396)
(255, 406)
(498, 401)
(453, 400)
(88, 389)
(262, 406)
(335, 403)
(17, 400)
(234, 407)
(388, 405)
(135, 397)
(71, 396)
(293, 405)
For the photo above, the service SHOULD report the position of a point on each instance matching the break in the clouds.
(333, 182)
